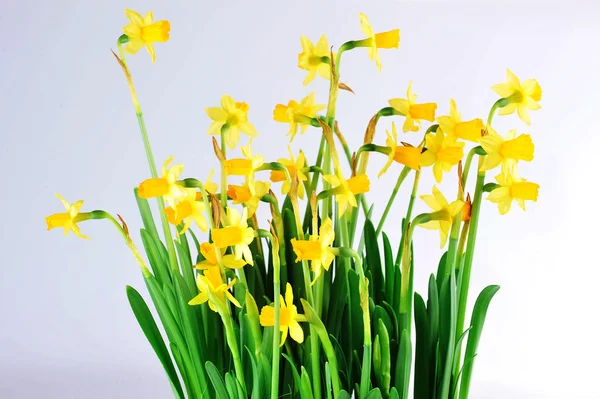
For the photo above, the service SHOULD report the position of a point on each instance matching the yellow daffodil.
(443, 152)
(404, 154)
(209, 186)
(437, 202)
(506, 151)
(346, 190)
(453, 125)
(144, 31)
(294, 168)
(68, 220)
(288, 317)
(209, 252)
(235, 234)
(188, 210)
(389, 39)
(165, 186)
(513, 188)
(249, 194)
(522, 96)
(317, 249)
(211, 281)
(298, 115)
(244, 166)
(231, 118)
(312, 58)
(413, 113)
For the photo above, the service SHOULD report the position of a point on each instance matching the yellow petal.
(296, 331)
(389, 39)
(134, 17)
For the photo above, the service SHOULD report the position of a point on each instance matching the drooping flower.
(249, 194)
(317, 249)
(209, 252)
(144, 32)
(288, 317)
(188, 210)
(346, 190)
(443, 152)
(404, 154)
(298, 115)
(235, 234)
(231, 118)
(165, 186)
(522, 96)
(244, 166)
(294, 168)
(312, 58)
(211, 281)
(513, 188)
(386, 40)
(453, 125)
(437, 202)
(507, 152)
(413, 113)
(67, 220)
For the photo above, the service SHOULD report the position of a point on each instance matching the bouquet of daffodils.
(316, 302)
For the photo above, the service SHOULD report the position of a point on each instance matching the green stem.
(401, 178)
(411, 203)
(233, 346)
(223, 174)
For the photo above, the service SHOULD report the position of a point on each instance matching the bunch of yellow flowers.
(346, 300)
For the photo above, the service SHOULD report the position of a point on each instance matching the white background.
(67, 125)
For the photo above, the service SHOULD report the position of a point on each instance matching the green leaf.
(403, 363)
(390, 273)
(373, 262)
(394, 394)
(422, 358)
(157, 263)
(344, 395)
(384, 342)
(451, 320)
(146, 214)
(230, 386)
(185, 262)
(217, 381)
(374, 394)
(305, 386)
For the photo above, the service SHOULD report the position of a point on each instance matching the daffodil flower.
(437, 202)
(384, 40)
(209, 252)
(317, 249)
(211, 281)
(453, 125)
(414, 113)
(68, 220)
(311, 58)
(188, 210)
(294, 168)
(165, 186)
(249, 194)
(244, 166)
(288, 317)
(513, 188)
(298, 115)
(443, 152)
(404, 154)
(521, 96)
(235, 234)
(231, 118)
(346, 190)
(506, 151)
(144, 32)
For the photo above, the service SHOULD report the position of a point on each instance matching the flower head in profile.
(209, 252)
(249, 194)
(443, 152)
(67, 220)
(507, 152)
(404, 154)
(288, 317)
(346, 190)
(384, 40)
(314, 58)
(144, 32)
(236, 234)
(298, 115)
(231, 119)
(187, 210)
(244, 166)
(521, 97)
(453, 125)
(317, 249)
(437, 202)
(294, 168)
(513, 188)
(165, 186)
(212, 282)
(413, 113)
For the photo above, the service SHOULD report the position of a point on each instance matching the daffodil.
(453, 125)
(244, 166)
(288, 317)
(209, 186)
(443, 152)
(346, 190)
(144, 32)
(294, 168)
(165, 186)
(68, 220)
(312, 58)
(389, 39)
(298, 115)
(231, 118)
(188, 210)
(513, 188)
(521, 96)
(236, 234)
(506, 151)
(406, 155)
(249, 194)
(317, 249)
(211, 281)
(209, 252)
(414, 113)
(437, 202)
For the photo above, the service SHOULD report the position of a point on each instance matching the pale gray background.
(67, 125)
